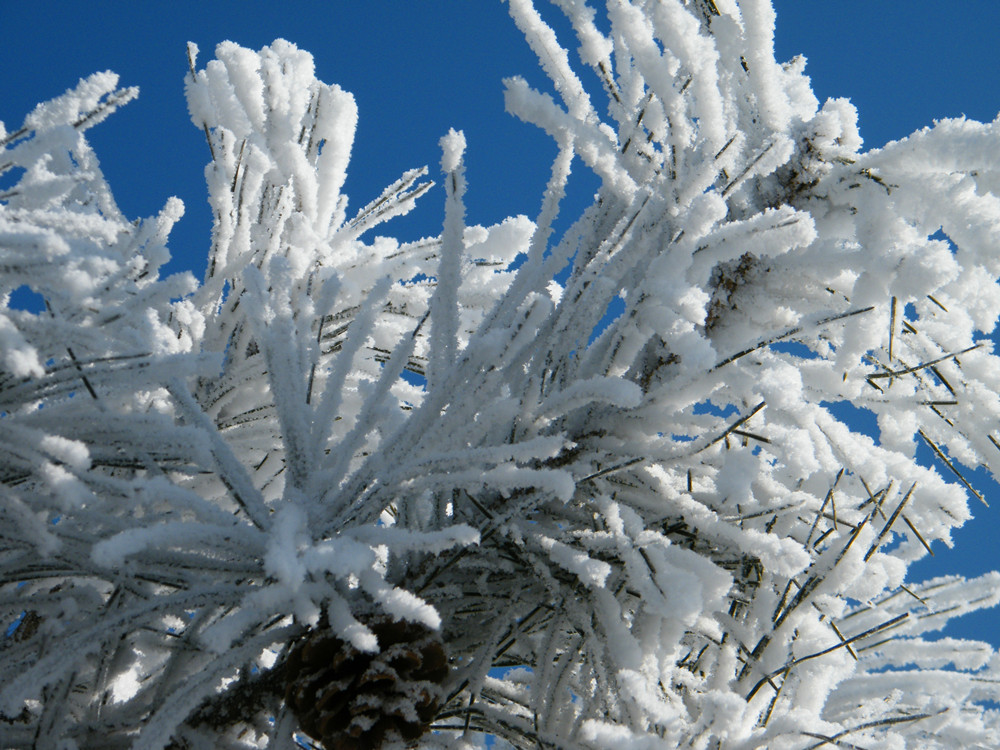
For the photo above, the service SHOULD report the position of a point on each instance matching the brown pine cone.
(350, 700)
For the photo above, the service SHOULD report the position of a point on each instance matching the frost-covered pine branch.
(378, 493)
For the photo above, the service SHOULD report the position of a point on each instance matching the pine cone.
(350, 700)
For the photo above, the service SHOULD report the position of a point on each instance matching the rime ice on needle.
(664, 537)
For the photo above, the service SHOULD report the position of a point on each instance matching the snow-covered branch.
(373, 491)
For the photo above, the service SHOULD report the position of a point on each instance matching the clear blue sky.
(419, 68)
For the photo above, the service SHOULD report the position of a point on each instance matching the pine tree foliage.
(658, 530)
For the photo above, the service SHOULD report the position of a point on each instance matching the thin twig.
(951, 466)
(789, 332)
(888, 524)
(896, 373)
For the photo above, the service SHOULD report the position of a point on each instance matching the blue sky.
(419, 68)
